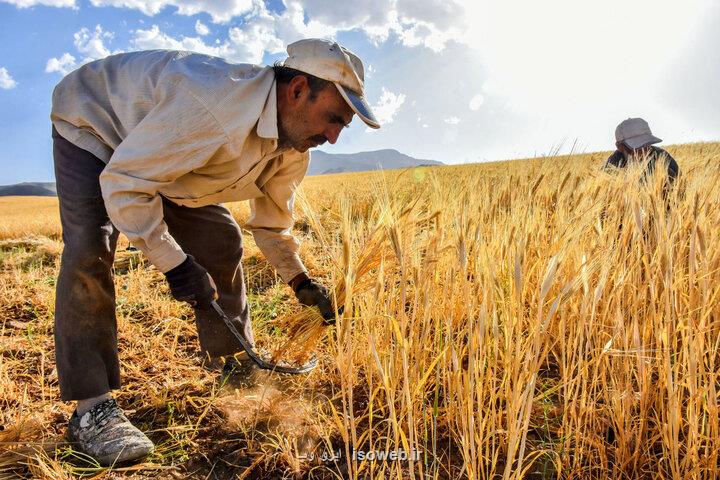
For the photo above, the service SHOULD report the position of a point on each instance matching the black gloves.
(190, 282)
(311, 293)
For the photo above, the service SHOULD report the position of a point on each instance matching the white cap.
(635, 133)
(334, 63)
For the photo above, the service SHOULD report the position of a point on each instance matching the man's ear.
(297, 88)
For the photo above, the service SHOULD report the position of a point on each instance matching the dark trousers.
(85, 327)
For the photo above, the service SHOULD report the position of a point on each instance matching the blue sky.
(452, 80)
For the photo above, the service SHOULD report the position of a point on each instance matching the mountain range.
(34, 189)
(320, 163)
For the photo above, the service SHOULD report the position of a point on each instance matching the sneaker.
(106, 434)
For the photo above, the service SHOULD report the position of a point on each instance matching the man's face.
(305, 122)
(636, 152)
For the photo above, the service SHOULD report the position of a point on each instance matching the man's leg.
(211, 235)
(85, 326)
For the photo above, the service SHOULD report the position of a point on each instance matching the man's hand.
(311, 293)
(191, 283)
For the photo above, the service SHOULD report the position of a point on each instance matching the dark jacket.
(619, 160)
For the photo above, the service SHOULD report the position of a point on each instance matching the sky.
(457, 81)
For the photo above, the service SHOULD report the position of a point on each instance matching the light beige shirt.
(192, 128)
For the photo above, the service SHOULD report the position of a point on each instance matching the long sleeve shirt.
(191, 128)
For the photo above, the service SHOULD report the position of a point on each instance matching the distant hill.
(322, 163)
(35, 189)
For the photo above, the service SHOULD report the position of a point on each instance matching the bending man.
(149, 144)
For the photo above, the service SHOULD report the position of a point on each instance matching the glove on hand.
(311, 293)
(191, 283)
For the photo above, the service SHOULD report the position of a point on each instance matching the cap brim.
(359, 105)
(642, 141)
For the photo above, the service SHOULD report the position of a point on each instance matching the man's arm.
(176, 137)
(614, 160)
(673, 169)
(271, 223)
(271, 218)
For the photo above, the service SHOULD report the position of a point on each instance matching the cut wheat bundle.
(306, 327)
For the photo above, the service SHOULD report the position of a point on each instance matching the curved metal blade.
(259, 361)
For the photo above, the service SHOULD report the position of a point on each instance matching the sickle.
(260, 362)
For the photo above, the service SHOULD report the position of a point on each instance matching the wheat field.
(527, 319)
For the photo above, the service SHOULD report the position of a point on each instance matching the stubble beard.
(288, 135)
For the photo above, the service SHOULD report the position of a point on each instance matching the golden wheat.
(536, 317)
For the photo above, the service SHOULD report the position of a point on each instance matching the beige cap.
(635, 133)
(333, 62)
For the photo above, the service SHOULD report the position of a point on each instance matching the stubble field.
(528, 319)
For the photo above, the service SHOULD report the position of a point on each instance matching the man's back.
(97, 105)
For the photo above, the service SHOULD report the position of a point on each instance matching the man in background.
(636, 145)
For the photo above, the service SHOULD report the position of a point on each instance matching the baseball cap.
(333, 62)
(635, 133)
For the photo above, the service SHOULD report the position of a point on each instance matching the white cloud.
(290, 25)
(426, 34)
(201, 29)
(153, 38)
(46, 3)
(63, 65)
(260, 32)
(243, 45)
(221, 11)
(427, 23)
(90, 44)
(388, 106)
(444, 14)
(249, 43)
(6, 80)
(257, 35)
(452, 120)
(368, 13)
(573, 44)
(476, 102)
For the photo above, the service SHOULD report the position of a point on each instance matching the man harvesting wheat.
(149, 144)
(636, 145)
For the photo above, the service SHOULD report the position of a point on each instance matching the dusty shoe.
(106, 434)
